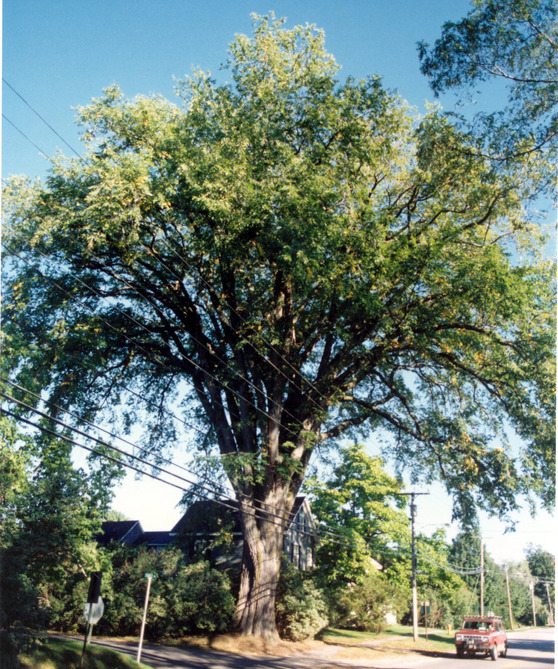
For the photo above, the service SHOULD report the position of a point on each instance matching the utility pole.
(532, 589)
(550, 612)
(413, 509)
(481, 577)
(509, 596)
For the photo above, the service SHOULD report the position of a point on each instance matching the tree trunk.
(261, 562)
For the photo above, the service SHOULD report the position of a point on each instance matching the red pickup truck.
(482, 634)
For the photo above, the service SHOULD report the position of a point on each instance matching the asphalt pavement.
(528, 649)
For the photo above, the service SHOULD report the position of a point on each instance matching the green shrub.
(201, 601)
(184, 599)
(365, 605)
(301, 607)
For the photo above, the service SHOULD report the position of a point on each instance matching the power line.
(26, 137)
(182, 258)
(42, 119)
(128, 390)
(138, 344)
(93, 425)
(258, 514)
(261, 337)
(226, 363)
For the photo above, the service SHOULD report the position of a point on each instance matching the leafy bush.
(301, 607)
(201, 600)
(184, 599)
(365, 605)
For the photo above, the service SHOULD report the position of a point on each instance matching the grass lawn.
(66, 654)
(396, 638)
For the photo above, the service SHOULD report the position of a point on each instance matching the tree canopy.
(359, 502)
(283, 260)
(512, 42)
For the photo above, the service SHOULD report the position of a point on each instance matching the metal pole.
(87, 634)
(509, 597)
(149, 576)
(481, 577)
(550, 612)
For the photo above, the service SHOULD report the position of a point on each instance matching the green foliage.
(50, 513)
(445, 609)
(301, 609)
(542, 566)
(514, 42)
(365, 605)
(359, 502)
(438, 583)
(184, 598)
(288, 258)
(465, 554)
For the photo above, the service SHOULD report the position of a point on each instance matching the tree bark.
(262, 550)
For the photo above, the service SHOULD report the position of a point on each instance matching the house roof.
(207, 516)
(210, 515)
(154, 539)
(116, 530)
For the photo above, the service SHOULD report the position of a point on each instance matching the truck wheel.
(505, 651)
(460, 653)
(494, 653)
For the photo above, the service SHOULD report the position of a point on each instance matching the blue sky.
(60, 54)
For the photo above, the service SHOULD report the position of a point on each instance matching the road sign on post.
(93, 609)
(425, 610)
(94, 587)
(94, 612)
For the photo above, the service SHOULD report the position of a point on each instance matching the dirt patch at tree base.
(249, 645)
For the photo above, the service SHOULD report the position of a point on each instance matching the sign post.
(93, 609)
(149, 577)
(426, 610)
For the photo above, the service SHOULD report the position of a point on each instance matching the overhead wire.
(114, 448)
(258, 334)
(326, 534)
(138, 344)
(262, 338)
(39, 115)
(160, 458)
(296, 371)
(227, 364)
(43, 153)
(98, 427)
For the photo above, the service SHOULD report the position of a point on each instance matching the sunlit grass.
(398, 638)
(65, 654)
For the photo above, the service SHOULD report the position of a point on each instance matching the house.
(120, 531)
(211, 529)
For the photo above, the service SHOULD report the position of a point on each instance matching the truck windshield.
(475, 625)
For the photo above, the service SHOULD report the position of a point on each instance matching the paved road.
(533, 649)
(527, 650)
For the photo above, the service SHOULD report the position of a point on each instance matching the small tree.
(184, 598)
(48, 520)
(359, 505)
(301, 605)
(542, 566)
(365, 605)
